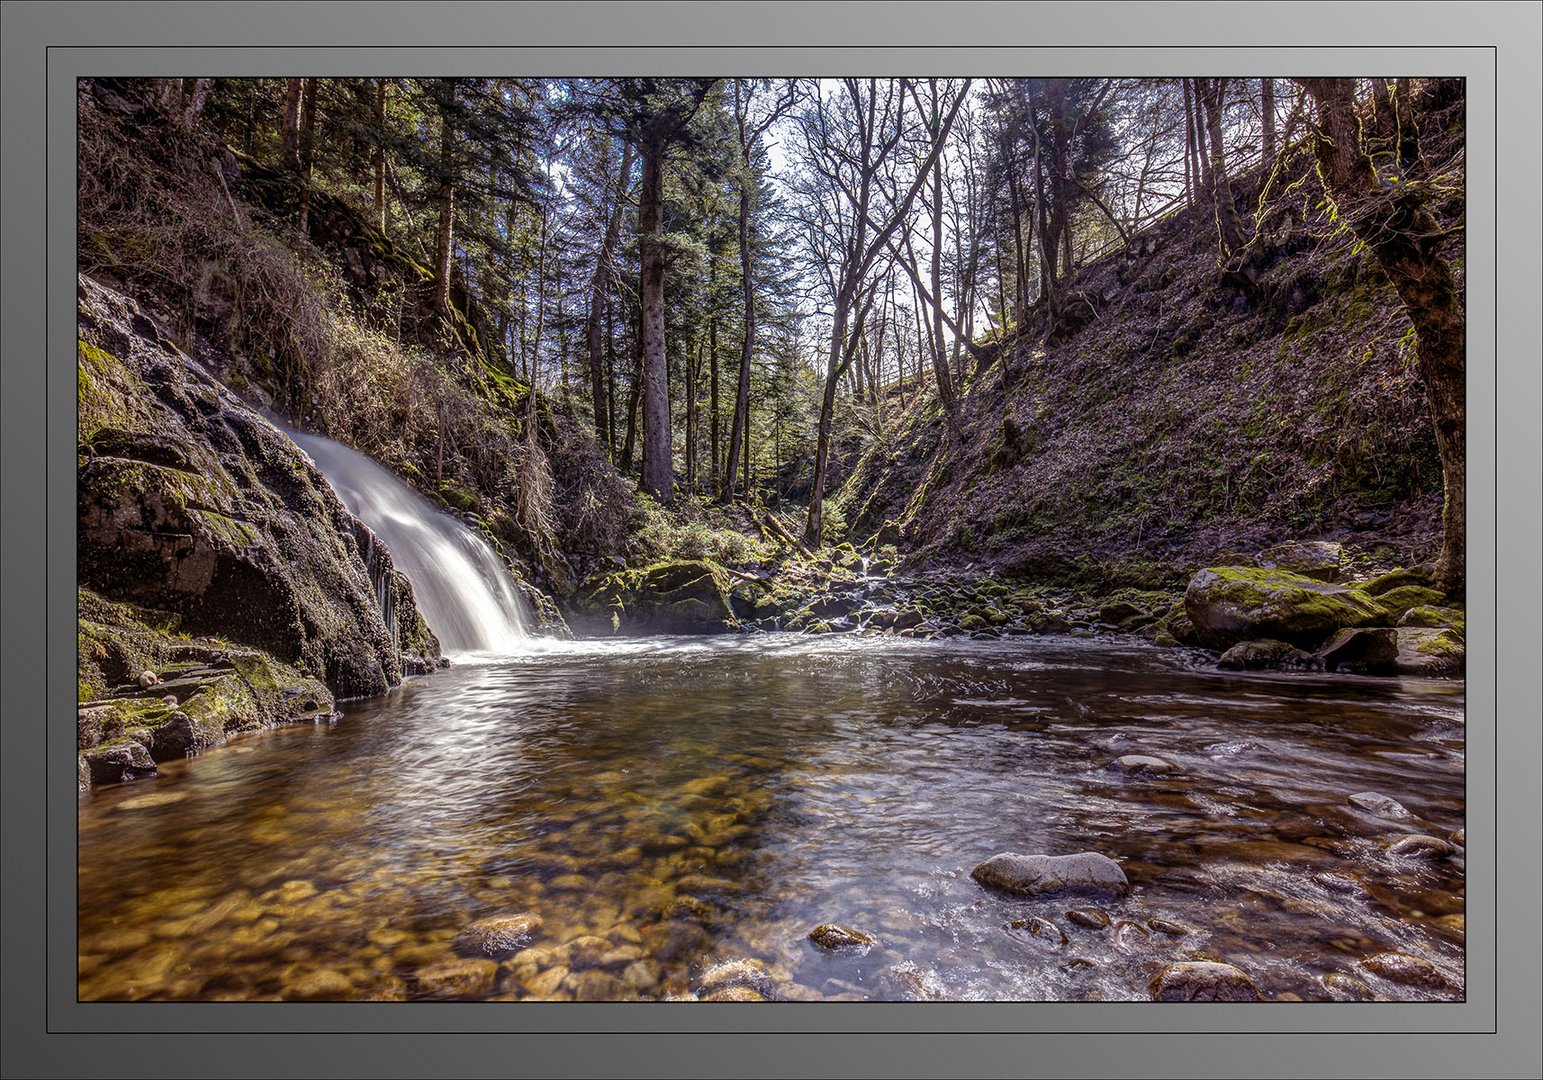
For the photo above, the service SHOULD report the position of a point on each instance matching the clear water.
(690, 801)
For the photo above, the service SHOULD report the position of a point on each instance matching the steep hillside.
(1177, 411)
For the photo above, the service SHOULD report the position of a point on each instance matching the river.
(669, 804)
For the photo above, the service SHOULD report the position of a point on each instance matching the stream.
(671, 805)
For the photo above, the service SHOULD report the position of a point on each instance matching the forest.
(703, 453)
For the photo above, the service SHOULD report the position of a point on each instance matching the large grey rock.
(126, 759)
(1037, 875)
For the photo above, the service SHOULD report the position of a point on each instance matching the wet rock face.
(1036, 875)
(1229, 604)
(1406, 970)
(192, 503)
(1202, 981)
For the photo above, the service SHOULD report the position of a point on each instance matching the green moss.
(1398, 600)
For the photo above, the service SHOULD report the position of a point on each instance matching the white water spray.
(462, 586)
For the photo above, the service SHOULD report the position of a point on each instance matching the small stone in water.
(459, 978)
(735, 993)
(156, 798)
(1202, 981)
(1142, 763)
(750, 973)
(1043, 932)
(1376, 803)
(1418, 846)
(841, 938)
(1172, 929)
(324, 985)
(498, 936)
(1343, 884)
(1091, 917)
(1459, 838)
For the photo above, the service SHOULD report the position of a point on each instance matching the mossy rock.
(1396, 601)
(1449, 618)
(459, 498)
(972, 622)
(1429, 651)
(1266, 656)
(1395, 579)
(1229, 604)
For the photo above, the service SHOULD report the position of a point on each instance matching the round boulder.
(1037, 875)
(835, 938)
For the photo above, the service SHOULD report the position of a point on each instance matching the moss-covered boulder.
(690, 596)
(1396, 579)
(1429, 651)
(1228, 604)
(1448, 618)
(192, 503)
(1395, 602)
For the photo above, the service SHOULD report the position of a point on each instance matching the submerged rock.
(1091, 917)
(841, 939)
(1229, 604)
(1202, 981)
(1419, 846)
(458, 979)
(1406, 970)
(498, 936)
(1342, 987)
(1036, 875)
(1041, 932)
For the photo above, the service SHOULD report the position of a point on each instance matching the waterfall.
(463, 588)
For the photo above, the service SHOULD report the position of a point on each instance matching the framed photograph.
(785, 540)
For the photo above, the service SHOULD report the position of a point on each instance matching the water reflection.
(665, 804)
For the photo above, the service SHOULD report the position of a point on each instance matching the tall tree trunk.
(307, 151)
(1189, 145)
(713, 425)
(293, 89)
(1398, 227)
(1229, 224)
(379, 158)
(693, 373)
(739, 427)
(1267, 119)
(444, 235)
(599, 290)
(634, 395)
(658, 470)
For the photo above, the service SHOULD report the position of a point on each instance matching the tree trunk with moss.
(1396, 224)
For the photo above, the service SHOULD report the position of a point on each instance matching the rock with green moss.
(1395, 602)
(1448, 618)
(192, 504)
(1316, 559)
(1428, 651)
(1229, 604)
(1395, 579)
(1267, 656)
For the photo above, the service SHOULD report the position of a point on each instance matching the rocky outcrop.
(192, 504)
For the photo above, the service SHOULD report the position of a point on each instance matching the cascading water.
(462, 586)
